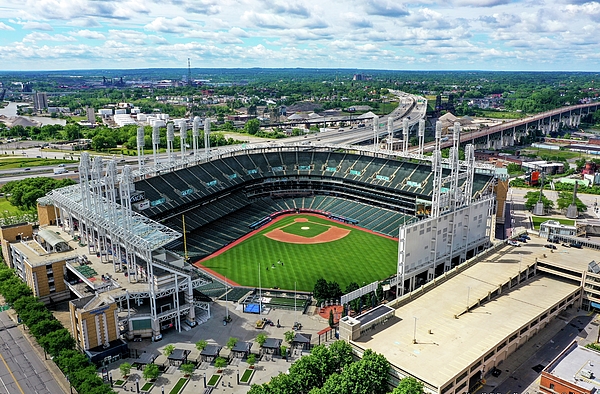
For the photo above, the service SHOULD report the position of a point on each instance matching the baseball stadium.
(294, 213)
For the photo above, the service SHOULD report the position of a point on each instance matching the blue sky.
(363, 34)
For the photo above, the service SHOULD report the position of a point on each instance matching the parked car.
(566, 245)
(550, 246)
(512, 242)
(525, 236)
(576, 245)
(521, 239)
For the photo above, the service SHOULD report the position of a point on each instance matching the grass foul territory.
(303, 248)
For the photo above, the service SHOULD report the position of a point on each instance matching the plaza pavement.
(242, 327)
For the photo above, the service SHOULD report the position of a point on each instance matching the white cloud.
(93, 35)
(357, 21)
(37, 36)
(83, 22)
(4, 26)
(385, 8)
(268, 21)
(32, 25)
(164, 25)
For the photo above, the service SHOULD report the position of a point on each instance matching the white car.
(512, 242)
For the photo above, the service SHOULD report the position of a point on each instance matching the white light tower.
(206, 137)
(170, 139)
(195, 135)
(183, 137)
(405, 127)
(140, 146)
(436, 167)
(421, 135)
(390, 127)
(375, 132)
(155, 143)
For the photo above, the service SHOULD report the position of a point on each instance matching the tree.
(125, 369)
(409, 385)
(531, 198)
(151, 371)
(513, 168)
(283, 350)
(333, 290)
(321, 289)
(331, 320)
(289, 336)
(341, 355)
(188, 368)
(200, 345)
(168, 350)
(25, 192)
(56, 341)
(566, 198)
(252, 126)
(251, 360)
(45, 327)
(231, 342)
(379, 292)
(261, 339)
(220, 362)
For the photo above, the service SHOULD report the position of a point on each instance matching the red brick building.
(576, 370)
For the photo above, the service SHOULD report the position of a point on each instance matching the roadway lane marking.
(11, 374)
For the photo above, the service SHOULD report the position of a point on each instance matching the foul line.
(11, 374)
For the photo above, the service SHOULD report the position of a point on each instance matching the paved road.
(21, 370)
(524, 378)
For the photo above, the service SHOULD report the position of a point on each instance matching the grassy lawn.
(178, 386)
(246, 376)
(147, 386)
(23, 162)
(305, 229)
(6, 206)
(563, 154)
(537, 220)
(214, 379)
(360, 257)
(500, 114)
(119, 382)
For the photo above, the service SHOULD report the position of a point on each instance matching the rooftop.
(572, 363)
(455, 343)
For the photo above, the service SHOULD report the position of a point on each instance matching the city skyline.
(553, 35)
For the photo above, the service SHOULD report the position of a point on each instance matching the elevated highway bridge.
(508, 133)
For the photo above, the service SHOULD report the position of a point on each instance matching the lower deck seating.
(214, 227)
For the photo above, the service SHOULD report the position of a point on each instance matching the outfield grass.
(359, 257)
(537, 220)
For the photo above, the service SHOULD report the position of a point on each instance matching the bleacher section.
(222, 198)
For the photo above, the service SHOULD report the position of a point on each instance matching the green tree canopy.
(409, 385)
(151, 371)
(531, 198)
(566, 198)
(25, 192)
(252, 126)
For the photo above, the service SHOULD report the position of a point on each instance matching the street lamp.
(415, 332)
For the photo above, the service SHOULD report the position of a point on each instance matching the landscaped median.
(247, 376)
(147, 387)
(178, 388)
(214, 380)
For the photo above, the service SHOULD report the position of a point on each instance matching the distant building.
(91, 115)
(40, 101)
(576, 370)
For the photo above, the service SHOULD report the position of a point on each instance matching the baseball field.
(299, 249)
